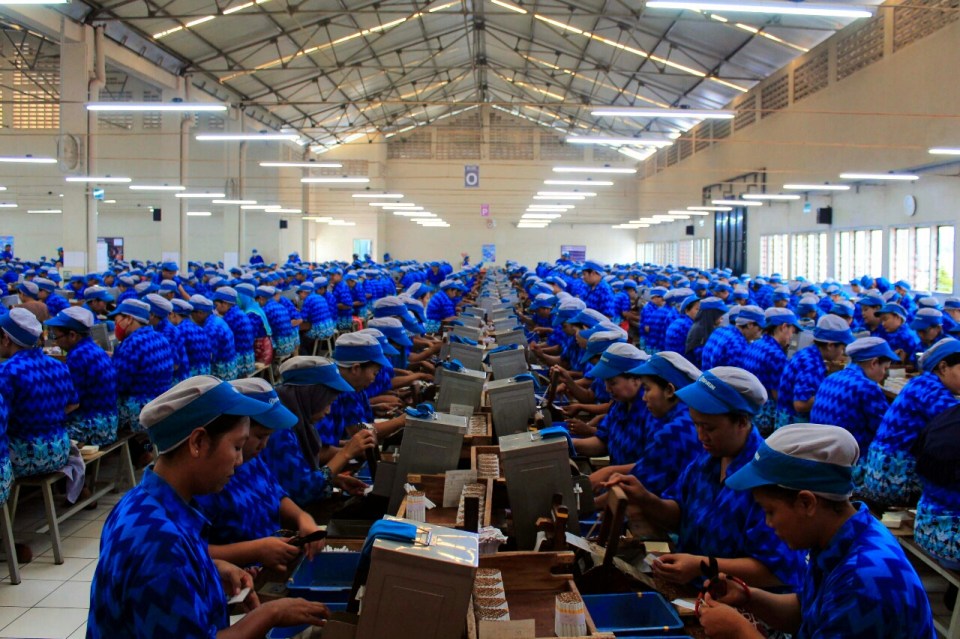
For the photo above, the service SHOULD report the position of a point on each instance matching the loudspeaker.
(283, 224)
(825, 215)
(156, 214)
(690, 229)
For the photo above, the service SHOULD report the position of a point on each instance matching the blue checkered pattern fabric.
(175, 340)
(726, 346)
(341, 293)
(557, 337)
(890, 469)
(292, 309)
(37, 390)
(317, 313)
(6, 466)
(622, 430)
(720, 522)
(95, 381)
(670, 444)
(440, 307)
(861, 586)
(247, 508)
(903, 339)
(284, 457)
(599, 388)
(286, 337)
(767, 360)
(800, 381)
(382, 383)
(621, 304)
(676, 336)
(56, 303)
(572, 353)
(600, 298)
(346, 410)
(853, 401)
(155, 577)
(129, 294)
(358, 293)
(144, 366)
(223, 352)
(659, 321)
(196, 347)
(243, 335)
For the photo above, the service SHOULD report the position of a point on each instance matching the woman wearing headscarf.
(707, 320)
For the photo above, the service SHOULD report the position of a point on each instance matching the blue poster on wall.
(489, 253)
(577, 252)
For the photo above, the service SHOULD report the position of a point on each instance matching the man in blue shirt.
(599, 295)
(898, 334)
(858, 583)
(225, 301)
(223, 352)
(160, 310)
(285, 336)
(94, 421)
(196, 343)
(728, 345)
(675, 339)
(443, 305)
(55, 302)
(255, 258)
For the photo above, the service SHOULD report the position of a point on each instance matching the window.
(809, 256)
(773, 254)
(923, 256)
(694, 253)
(858, 253)
(660, 253)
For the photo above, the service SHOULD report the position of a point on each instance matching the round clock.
(910, 205)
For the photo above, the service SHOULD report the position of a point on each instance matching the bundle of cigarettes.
(570, 616)
(488, 466)
(489, 598)
(416, 506)
(477, 425)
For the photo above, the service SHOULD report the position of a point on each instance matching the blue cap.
(671, 367)
(352, 348)
(936, 353)
(182, 307)
(278, 417)
(926, 318)
(159, 306)
(22, 326)
(201, 303)
(169, 266)
(168, 286)
(136, 309)
(383, 340)
(867, 348)
(751, 314)
(543, 301)
(831, 328)
(225, 294)
(588, 317)
(893, 308)
(593, 265)
(776, 316)
(617, 358)
(724, 389)
(29, 289)
(687, 302)
(311, 371)
(393, 329)
(192, 404)
(713, 304)
(73, 318)
(657, 291)
(840, 309)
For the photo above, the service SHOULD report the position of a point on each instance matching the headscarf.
(304, 402)
(703, 327)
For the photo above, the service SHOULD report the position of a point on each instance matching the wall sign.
(471, 176)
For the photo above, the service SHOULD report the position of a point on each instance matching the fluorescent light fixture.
(556, 193)
(766, 6)
(507, 5)
(99, 180)
(679, 213)
(594, 169)
(283, 211)
(33, 2)
(559, 197)
(386, 196)
(302, 165)
(108, 202)
(577, 183)
(131, 107)
(770, 196)
(258, 207)
(334, 180)
(680, 217)
(645, 220)
(3, 188)
(158, 187)
(201, 196)
(27, 159)
(406, 213)
(234, 201)
(199, 213)
(401, 208)
(900, 177)
(393, 205)
(626, 226)
(816, 187)
(539, 216)
(571, 139)
(51, 211)
(549, 209)
(653, 112)
(544, 207)
(431, 223)
(341, 223)
(314, 218)
(938, 150)
(709, 208)
(248, 137)
(737, 202)
(7, 205)
(531, 225)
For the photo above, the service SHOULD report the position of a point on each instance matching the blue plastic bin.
(293, 631)
(328, 578)
(643, 614)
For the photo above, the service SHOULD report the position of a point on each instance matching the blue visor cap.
(841, 310)
(879, 350)
(396, 334)
(126, 308)
(169, 266)
(893, 308)
(870, 300)
(387, 347)
(936, 353)
(278, 417)
(827, 335)
(772, 468)
(363, 354)
(611, 365)
(401, 312)
(222, 399)
(19, 335)
(543, 303)
(584, 318)
(752, 316)
(687, 301)
(711, 395)
(64, 321)
(327, 376)
(713, 304)
(590, 265)
(785, 318)
(923, 322)
(563, 317)
(658, 366)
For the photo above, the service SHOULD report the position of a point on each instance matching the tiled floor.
(52, 601)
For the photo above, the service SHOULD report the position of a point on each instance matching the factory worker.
(443, 305)
(599, 296)
(656, 300)
(224, 359)
(297, 457)
(94, 421)
(343, 300)
(196, 342)
(383, 382)
(807, 369)
(96, 299)
(712, 310)
(890, 477)
(246, 515)
(160, 310)
(143, 362)
(712, 520)
(928, 325)
(675, 338)
(392, 329)
(663, 317)
(567, 351)
(318, 322)
(852, 398)
(767, 357)
(255, 258)
(728, 344)
(858, 584)
(29, 294)
(897, 332)
(165, 584)
(667, 436)
(285, 336)
(48, 295)
(225, 301)
(588, 393)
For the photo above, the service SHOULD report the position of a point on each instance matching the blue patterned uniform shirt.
(247, 508)
(600, 298)
(346, 410)
(890, 468)
(659, 322)
(646, 317)
(726, 346)
(622, 430)
(37, 390)
(144, 365)
(175, 340)
(621, 303)
(382, 383)
(222, 350)
(317, 313)
(670, 445)
(904, 339)
(155, 577)
(719, 522)
(196, 346)
(286, 337)
(861, 586)
(341, 293)
(440, 307)
(284, 457)
(800, 380)
(243, 335)
(853, 401)
(95, 381)
(6, 466)
(292, 310)
(676, 337)
(766, 359)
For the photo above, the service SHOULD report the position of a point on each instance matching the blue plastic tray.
(328, 578)
(636, 613)
(292, 631)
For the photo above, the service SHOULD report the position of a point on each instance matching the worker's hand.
(233, 578)
(276, 553)
(571, 409)
(735, 596)
(599, 477)
(349, 484)
(561, 371)
(678, 568)
(311, 549)
(631, 486)
(291, 611)
(579, 428)
(364, 440)
(720, 621)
